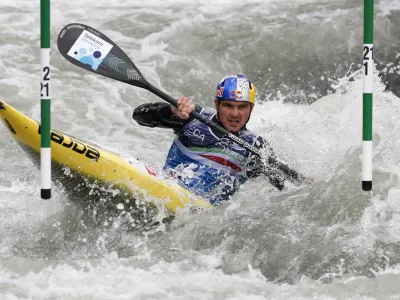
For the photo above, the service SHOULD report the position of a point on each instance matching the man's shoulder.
(208, 111)
(248, 133)
(253, 137)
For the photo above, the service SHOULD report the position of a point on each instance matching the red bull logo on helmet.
(236, 94)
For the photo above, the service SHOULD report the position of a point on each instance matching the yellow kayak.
(85, 168)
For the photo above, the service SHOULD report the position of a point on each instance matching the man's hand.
(307, 180)
(185, 107)
(302, 180)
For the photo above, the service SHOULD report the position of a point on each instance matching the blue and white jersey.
(209, 166)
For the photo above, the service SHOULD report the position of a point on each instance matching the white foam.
(178, 46)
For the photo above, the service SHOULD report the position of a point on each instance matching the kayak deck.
(96, 178)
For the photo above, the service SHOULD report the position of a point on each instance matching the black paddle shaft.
(91, 50)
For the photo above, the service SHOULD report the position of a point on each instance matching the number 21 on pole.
(368, 59)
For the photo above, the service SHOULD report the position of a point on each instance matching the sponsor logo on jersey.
(195, 133)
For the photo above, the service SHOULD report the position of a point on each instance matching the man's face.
(233, 114)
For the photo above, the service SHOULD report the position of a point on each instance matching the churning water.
(328, 240)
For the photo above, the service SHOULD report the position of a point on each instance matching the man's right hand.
(185, 107)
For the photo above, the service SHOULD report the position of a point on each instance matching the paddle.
(89, 49)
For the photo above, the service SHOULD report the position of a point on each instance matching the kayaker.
(202, 161)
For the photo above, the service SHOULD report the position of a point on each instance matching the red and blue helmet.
(236, 88)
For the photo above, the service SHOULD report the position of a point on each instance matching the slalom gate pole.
(45, 150)
(368, 65)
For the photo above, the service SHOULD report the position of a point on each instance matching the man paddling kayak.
(203, 161)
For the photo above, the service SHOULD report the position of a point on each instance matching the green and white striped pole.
(45, 150)
(368, 65)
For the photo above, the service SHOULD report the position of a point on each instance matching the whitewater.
(327, 240)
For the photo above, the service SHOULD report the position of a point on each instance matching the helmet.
(236, 88)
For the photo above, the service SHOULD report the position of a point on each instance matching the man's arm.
(158, 115)
(258, 166)
(163, 115)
